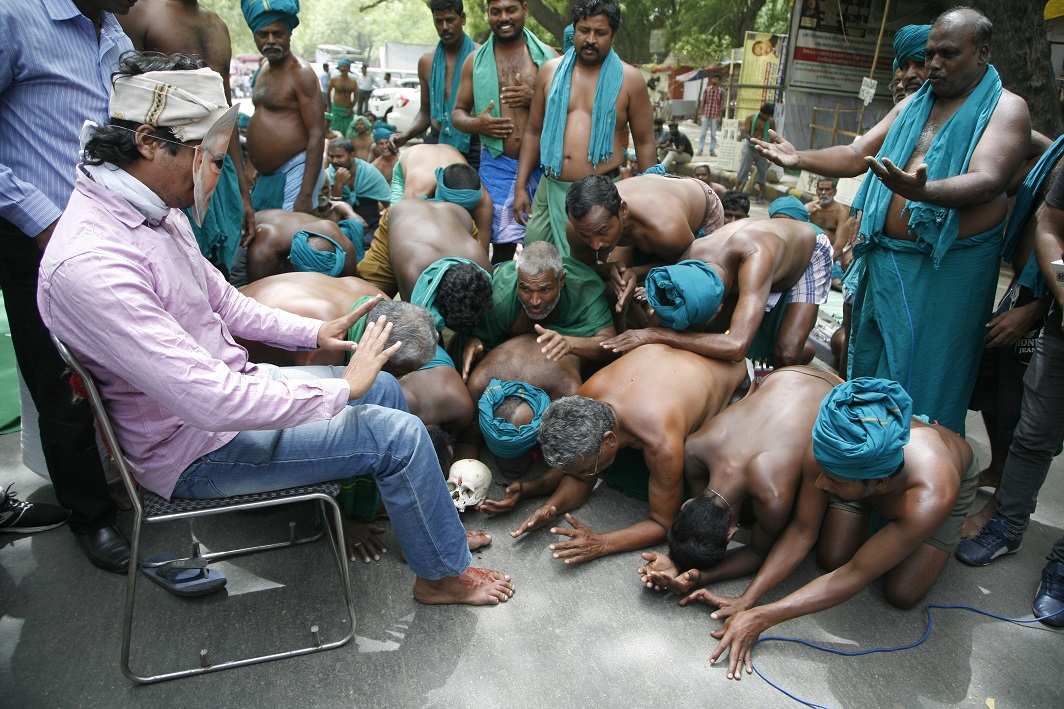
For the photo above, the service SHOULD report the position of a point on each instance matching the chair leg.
(340, 548)
(131, 592)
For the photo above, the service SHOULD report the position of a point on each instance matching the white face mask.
(207, 165)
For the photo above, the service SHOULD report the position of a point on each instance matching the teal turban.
(382, 131)
(355, 232)
(862, 428)
(909, 43)
(463, 198)
(343, 62)
(259, 13)
(789, 206)
(306, 258)
(504, 439)
(686, 294)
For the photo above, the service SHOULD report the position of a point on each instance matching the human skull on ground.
(468, 483)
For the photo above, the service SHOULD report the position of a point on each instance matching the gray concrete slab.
(580, 637)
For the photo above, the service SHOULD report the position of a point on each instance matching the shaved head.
(967, 20)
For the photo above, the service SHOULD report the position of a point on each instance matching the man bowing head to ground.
(584, 105)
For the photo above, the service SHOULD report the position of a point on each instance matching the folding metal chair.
(150, 508)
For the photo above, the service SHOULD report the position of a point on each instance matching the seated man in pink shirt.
(124, 285)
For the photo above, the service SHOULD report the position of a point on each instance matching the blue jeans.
(751, 158)
(708, 125)
(374, 436)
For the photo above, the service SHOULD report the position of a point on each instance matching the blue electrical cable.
(1024, 623)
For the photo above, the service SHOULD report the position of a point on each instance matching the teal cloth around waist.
(923, 326)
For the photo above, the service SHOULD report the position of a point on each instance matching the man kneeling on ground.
(191, 411)
(867, 451)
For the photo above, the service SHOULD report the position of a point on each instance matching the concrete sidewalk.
(580, 637)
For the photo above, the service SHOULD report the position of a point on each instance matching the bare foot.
(474, 587)
(477, 539)
(975, 523)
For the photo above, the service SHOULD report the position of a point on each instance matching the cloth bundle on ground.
(426, 285)
(442, 101)
(259, 13)
(581, 310)
(503, 438)
(465, 198)
(789, 206)
(685, 294)
(305, 257)
(1022, 210)
(486, 80)
(219, 236)
(897, 280)
(909, 43)
(861, 429)
(603, 112)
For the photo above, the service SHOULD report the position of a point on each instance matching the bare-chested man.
(294, 241)
(340, 98)
(417, 176)
(930, 235)
(564, 137)
(385, 155)
(756, 286)
(867, 451)
(657, 216)
(351, 179)
(286, 136)
(826, 213)
(561, 300)
(183, 27)
(703, 172)
(753, 449)
(439, 73)
(493, 101)
(650, 399)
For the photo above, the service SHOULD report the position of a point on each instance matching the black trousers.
(67, 432)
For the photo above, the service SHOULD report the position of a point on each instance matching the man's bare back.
(787, 243)
(663, 213)
(422, 232)
(419, 163)
(178, 26)
(520, 358)
(268, 253)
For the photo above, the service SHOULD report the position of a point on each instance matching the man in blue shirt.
(55, 73)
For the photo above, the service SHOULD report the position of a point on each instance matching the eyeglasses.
(587, 477)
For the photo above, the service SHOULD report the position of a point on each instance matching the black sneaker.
(1049, 599)
(19, 517)
(992, 541)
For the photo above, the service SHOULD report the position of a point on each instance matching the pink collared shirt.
(154, 322)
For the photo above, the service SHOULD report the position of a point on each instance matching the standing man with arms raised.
(493, 102)
(585, 103)
(439, 73)
(182, 26)
(55, 73)
(934, 211)
(286, 136)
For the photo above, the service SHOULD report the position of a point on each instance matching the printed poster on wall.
(834, 47)
(759, 78)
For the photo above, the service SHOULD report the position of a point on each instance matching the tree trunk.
(551, 20)
(746, 13)
(1020, 51)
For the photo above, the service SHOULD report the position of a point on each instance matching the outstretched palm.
(776, 149)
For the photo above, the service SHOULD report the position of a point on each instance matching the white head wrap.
(188, 102)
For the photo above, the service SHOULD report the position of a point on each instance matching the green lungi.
(340, 118)
(548, 220)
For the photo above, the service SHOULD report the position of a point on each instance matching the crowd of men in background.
(536, 280)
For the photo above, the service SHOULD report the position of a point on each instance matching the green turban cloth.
(909, 43)
(503, 438)
(686, 294)
(306, 258)
(789, 206)
(259, 13)
(862, 428)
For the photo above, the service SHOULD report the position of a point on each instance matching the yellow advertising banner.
(759, 76)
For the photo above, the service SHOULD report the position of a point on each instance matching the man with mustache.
(586, 104)
(493, 102)
(286, 136)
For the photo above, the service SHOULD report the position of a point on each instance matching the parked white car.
(404, 100)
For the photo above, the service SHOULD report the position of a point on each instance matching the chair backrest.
(103, 421)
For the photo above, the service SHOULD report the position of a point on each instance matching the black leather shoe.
(1049, 598)
(106, 548)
